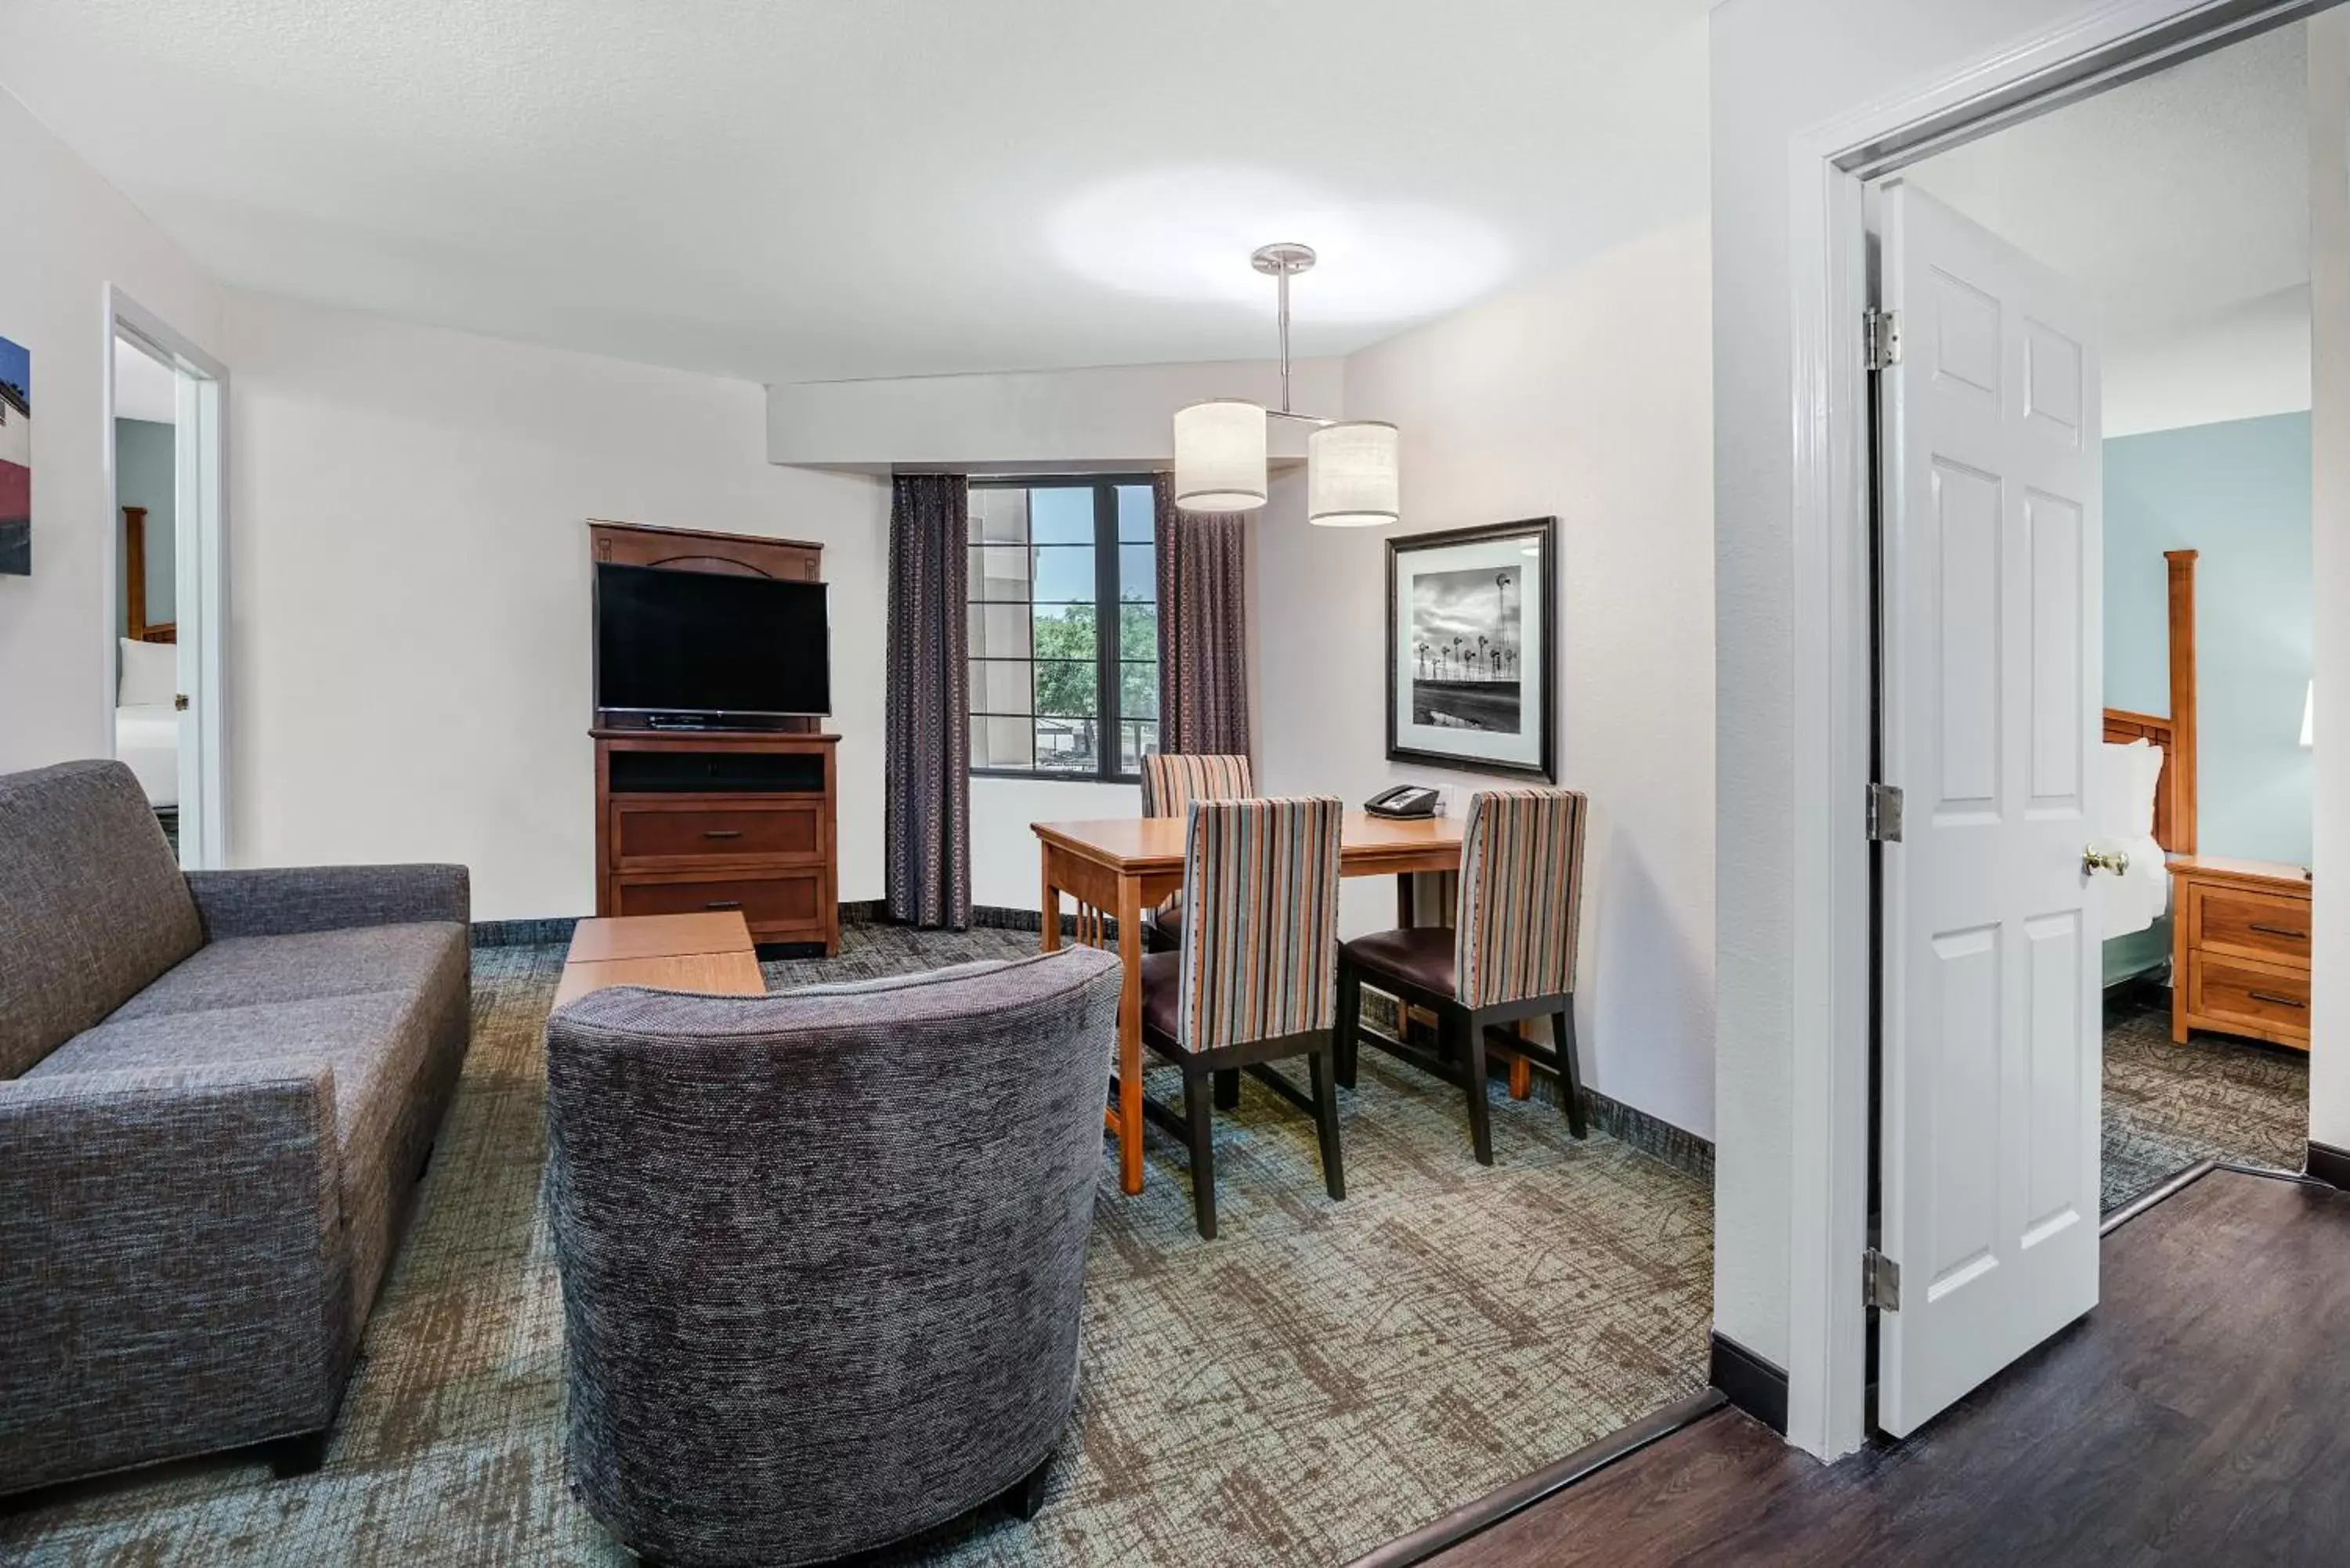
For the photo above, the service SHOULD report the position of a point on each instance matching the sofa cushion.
(239, 971)
(92, 904)
(377, 1044)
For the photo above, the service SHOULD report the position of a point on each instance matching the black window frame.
(1109, 634)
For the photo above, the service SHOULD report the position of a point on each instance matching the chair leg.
(1198, 1111)
(1323, 1069)
(1344, 1038)
(1228, 1089)
(291, 1457)
(1468, 1035)
(1570, 1073)
(1025, 1497)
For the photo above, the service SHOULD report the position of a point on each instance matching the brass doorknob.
(2094, 859)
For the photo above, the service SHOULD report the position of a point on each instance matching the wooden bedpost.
(2183, 755)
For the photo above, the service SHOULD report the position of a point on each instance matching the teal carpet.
(1324, 1377)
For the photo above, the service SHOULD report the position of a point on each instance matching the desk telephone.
(1404, 800)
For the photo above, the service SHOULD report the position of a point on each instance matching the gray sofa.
(217, 1091)
(823, 1252)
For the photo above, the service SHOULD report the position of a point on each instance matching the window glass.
(1064, 654)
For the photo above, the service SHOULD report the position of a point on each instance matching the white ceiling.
(793, 189)
(2178, 198)
(145, 387)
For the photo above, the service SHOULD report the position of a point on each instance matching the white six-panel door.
(1992, 1035)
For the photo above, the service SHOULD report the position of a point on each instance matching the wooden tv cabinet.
(689, 822)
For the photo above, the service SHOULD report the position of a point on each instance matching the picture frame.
(1472, 656)
(15, 460)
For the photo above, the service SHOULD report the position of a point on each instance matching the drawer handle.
(2282, 931)
(2275, 1000)
(737, 832)
(723, 904)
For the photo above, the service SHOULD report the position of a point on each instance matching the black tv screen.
(704, 644)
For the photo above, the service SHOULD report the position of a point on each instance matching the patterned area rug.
(2167, 1106)
(1322, 1378)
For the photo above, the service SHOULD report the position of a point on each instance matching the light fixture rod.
(1282, 261)
(1283, 282)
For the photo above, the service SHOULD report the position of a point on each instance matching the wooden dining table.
(1115, 868)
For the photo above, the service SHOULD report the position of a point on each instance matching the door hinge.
(1880, 332)
(179, 703)
(1880, 1282)
(1884, 813)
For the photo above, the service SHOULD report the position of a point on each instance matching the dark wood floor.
(2200, 1416)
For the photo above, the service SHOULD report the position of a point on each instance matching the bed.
(147, 718)
(2146, 798)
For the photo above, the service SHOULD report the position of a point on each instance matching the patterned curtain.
(1202, 628)
(927, 843)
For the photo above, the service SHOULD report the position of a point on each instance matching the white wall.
(1585, 395)
(1005, 873)
(1044, 420)
(1781, 68)
(410, 619)
(2329, 168)
(69, 235)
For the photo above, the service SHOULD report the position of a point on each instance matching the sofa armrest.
(172, 1271)
(280, 901)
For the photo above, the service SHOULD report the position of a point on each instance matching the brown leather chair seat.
(1166, 923)
(1421, 956)
(1163, 979)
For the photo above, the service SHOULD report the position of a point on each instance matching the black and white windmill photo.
(1465, 648)
(1470, 614)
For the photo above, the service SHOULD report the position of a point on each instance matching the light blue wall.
(2240, 494)
(143, 455)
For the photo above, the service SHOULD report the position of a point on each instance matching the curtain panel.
(927, 837)
(1202, 628)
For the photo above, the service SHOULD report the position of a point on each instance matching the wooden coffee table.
(709, 952)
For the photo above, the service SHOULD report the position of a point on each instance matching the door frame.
(2070, 57)
(203, 493)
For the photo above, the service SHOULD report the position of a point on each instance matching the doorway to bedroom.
(165, 627)
(2178, 206)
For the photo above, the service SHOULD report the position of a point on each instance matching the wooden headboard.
(2175, 795)
(135, 626)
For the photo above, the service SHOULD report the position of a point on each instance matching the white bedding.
(2140, 896)
(147, 738)
(2129, 777)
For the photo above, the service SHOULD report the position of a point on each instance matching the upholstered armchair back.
(1172, 781)
(1521, 895)
(1260, 919)
(823, 1252)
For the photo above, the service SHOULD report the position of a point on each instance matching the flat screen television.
(710, 650)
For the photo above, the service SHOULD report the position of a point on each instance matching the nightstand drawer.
(2272, 997)
(2251, 924)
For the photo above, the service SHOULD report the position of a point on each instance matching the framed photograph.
(1470, 637)
(16, 461)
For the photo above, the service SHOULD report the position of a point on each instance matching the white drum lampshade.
(1351, 478)
(1220, 456)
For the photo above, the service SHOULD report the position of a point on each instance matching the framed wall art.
(1471, 648)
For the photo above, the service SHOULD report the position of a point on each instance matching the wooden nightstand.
(2241, 948)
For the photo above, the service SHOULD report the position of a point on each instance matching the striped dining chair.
(1170, 783)
(1508, 955)
(1255, 982)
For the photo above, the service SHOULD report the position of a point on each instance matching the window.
(1053, 562)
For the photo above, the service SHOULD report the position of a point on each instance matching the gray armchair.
(823, 1253)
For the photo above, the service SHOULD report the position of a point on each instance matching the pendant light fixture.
(1219, 445)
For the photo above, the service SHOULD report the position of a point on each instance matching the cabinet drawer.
(770, 902)
(2268, 999)
(675, 833)
(2256, 925)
